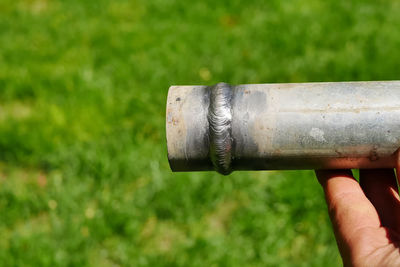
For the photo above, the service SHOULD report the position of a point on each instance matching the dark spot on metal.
(373, 154)
(340, 154)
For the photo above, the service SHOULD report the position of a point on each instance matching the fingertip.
(324, 175)
(348, 207)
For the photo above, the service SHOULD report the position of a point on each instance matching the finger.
(350, 210)
(380, 187)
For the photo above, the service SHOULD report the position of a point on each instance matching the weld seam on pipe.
(220, 128)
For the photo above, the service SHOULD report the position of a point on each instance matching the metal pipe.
(283, 126)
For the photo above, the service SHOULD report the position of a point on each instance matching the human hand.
(365, 216)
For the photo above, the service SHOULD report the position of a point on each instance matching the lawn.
(84, 177)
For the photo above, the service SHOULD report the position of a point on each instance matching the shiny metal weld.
(283, 126)
(219, 119)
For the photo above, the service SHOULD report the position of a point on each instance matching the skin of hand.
(365, 215)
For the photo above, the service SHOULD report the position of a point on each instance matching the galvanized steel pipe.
(283, 126)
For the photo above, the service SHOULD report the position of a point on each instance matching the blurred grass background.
(84, 177)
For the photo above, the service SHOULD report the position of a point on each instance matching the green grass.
(84, 177)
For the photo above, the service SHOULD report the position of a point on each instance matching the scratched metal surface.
(187, 128)
(292, 126)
